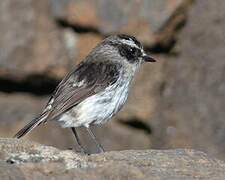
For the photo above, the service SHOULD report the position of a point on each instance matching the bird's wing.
(86, 80)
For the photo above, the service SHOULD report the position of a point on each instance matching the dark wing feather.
(96, 77)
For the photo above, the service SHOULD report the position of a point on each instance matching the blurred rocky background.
(178, 102)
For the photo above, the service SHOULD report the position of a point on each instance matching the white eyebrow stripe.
(130, 43)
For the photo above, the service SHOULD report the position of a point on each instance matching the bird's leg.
(78, 140)
(101, 149)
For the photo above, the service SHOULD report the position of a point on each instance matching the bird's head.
(129, 48)
(122, 49)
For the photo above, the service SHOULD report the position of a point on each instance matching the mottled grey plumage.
(97, 88)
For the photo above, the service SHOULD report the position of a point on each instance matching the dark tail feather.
(31, 125)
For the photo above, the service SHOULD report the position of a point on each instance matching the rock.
(191, 101)
(28, 160)
(153, 22)
(18, 109)
(30, 43)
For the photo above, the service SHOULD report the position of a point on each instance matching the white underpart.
(129, 42)
(98, 108)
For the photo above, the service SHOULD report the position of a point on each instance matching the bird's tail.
(31, 125)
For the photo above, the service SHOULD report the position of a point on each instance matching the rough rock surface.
(30, 42)
(153, 22)
(27, 160)
(192, 97)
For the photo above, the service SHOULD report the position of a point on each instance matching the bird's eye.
(136, 52)
(131, 53)
(131, 49)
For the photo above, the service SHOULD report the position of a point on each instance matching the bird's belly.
(96, 109)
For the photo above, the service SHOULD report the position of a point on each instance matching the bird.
(96, 89)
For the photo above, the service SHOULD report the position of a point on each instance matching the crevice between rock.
(76, 27)
(137, 124)
(36, 84)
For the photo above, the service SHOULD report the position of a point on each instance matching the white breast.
(101, 107)
(98, 108)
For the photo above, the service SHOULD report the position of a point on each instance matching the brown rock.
(27, 160)
(153, 22)
(191, 107)
(18, 108)
(30, 42)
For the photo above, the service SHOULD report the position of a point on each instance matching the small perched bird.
(96, 89)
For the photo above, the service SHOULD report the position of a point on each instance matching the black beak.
(148, 58)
